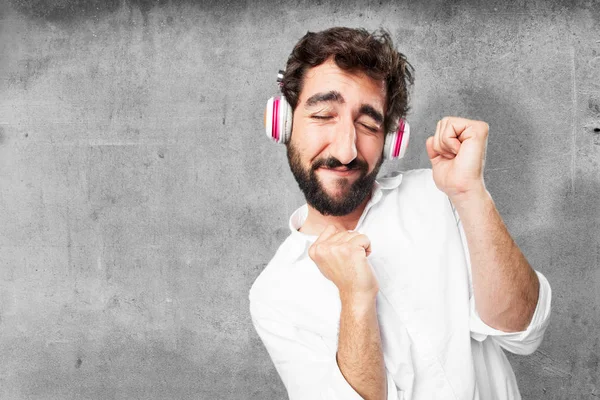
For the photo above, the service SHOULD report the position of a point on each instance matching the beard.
(315, 194)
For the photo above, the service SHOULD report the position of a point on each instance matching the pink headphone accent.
(396, 142)
(275, 121)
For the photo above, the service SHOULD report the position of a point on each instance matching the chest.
(419, 261)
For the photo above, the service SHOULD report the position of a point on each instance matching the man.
(404, 287)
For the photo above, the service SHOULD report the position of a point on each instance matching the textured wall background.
(140, 199)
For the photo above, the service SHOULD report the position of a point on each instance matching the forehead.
(351, 84)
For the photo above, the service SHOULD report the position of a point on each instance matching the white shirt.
(434, 344)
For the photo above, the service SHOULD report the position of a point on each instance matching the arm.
(304, 360)
(359, 355)
(523, 342)
(341, 256)
(506, 287)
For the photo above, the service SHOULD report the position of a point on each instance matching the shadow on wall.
(530, 177)
(570, 354)
(509, 151)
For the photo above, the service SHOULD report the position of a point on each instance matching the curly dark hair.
(353, 50)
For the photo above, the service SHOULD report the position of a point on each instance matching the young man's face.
(336, 147)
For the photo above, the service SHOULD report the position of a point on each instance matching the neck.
(316, 222)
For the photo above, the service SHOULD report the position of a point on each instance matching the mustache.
(333, 162)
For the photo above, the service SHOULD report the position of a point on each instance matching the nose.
(343, 146)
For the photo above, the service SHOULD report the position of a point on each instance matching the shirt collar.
(301, 241)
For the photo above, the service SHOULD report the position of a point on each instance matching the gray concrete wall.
(140, 199)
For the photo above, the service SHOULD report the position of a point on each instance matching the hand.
(457, 155)
(341, 256)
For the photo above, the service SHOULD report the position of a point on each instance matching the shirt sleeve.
(307, 367)
(523, 342)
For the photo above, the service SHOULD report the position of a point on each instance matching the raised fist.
(342, 258)
(457, 155)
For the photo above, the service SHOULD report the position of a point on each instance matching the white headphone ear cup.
(396, 142)
(286, 120)
(278, 119)
(269, 119)
(390, 143)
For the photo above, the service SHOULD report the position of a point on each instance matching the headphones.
(278, 126)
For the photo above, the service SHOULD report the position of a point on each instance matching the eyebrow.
(336, 97)
(331, 96)
(371, 112)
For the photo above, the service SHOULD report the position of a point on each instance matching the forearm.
(505, 286)
(360, 355)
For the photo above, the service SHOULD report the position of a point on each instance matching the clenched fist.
(342, 258)
(457, 155)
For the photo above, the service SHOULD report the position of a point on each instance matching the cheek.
(371, 148)
(311, 141)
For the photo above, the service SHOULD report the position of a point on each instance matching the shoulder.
(416, 198)
(271, 277)
(418, 179)
(417, 184)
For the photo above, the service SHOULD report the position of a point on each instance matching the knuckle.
(317, 248)
(324, 250)
(482, 128)
(345, 249)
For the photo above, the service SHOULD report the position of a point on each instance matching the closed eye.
(321, 117)
(374, 130)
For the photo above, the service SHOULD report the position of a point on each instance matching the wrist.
(477, 194)
(358, 302)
